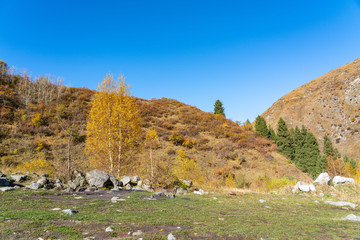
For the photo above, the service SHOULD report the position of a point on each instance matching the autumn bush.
(39, 166)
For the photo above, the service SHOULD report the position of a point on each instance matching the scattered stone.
(33, 186)
(323, 179)
(125, 180)
(146, 187)
(303, 187)
(109, 229)
(221, 219)
(19, 177)
(68, 190)
(137, 233)
(352, 217)
(316, 201)
(5, 189)
(188, 183)
(267, 207)
(78, 180)
(199, 192)
(214, 198)
(79, 197)
(345, 208)
(42, 181)
(171, 237)
(134, 180)
(341, 204)
(262, 200)
(98, 178)
(338, 179)
(160, 194)
(58, 183)
(128, 187)
(4, 182)
(181, 191)
(56, 209)
(117, 199)
(321, 194)
(70, 211)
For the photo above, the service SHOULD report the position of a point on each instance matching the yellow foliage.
(37, 120)
(39, 166)
(113, 127)
(39, 147)
(187, 168)
(230, 181)
(276, 183)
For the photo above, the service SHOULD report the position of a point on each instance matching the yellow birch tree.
(113, 127)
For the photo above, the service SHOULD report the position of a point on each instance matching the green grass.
(29, 215)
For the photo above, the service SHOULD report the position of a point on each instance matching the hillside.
(328, 105)
(37, 115)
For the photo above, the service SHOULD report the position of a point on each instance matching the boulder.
(42, 181)
(78, 180)
(125, 180)
(352, 217)
(338, 179)
(134, 180)
(33, 186)
(58, 183)
(98, 178)
(199, 192)
(171, 237)
(303, 187)
(128, 187)
(70, 211)
(188, 183)
(19, 177)
(323, 179)
(116, 183)
(5, 189)
(4, 182)
(181, 191)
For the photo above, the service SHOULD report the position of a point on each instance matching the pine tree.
(272, 134)
(329, 150)
(261, 127)
(113, 126)
(218, 108)
(284, 140)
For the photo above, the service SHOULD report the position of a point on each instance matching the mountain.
(37, 115)
(328, 105)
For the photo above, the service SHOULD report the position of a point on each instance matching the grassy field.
(27, 214)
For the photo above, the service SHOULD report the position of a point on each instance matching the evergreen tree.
(261, 127)
(299, 140)
(218, 108)
(272, 134)
(284, 140)
(329, 150)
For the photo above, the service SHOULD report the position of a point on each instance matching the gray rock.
(70, 211)
(117, 199)
(160, 194)
(303, 187)
(262, 200)
(98, 179)
(323, 179)
(19, 177)
(146, 187)
(341, 204)
(128, 187)
(5, 189)
(134, 180)
(125, 180)
(109, 229)
(58, 183)
(137, 233)
(42, 181)
(352, 217)
(171, 237)
(199, 192)
(181, 191)
(116, 183)
(4, 182)
(77, 181)
(140, 183)
(188, 183)
(338, 179)
(33, 186)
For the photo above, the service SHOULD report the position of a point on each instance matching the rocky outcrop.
(323, 179)
(19, 177)
(78, 180)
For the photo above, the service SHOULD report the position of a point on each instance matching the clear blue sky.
(246, 53)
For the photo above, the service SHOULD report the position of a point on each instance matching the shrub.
(39, 166)
(176, 138)
(37, 120)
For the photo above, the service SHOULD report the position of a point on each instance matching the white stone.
(338, 179)
(109, 229)
(351, 217)
(312, 188)
(56, 209)
(137, 233)
(171, 237)
(117, 199)
(323, 178)
(70, 211)
(304, 188)
(262, 200)
(221, 219)
(5, 189)
(341, 204)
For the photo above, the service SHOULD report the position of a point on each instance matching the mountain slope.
(328, 105)
(34, 125)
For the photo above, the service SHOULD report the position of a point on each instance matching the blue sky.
(248, 54)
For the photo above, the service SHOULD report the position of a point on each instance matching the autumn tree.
(113, 127)
(218, 108)
(152, 142)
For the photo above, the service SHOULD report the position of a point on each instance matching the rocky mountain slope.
(328, 105)
(35, 124)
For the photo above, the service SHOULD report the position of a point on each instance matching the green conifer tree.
(272, 134)
(261, 127)
(284, 141)
(218, 108)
